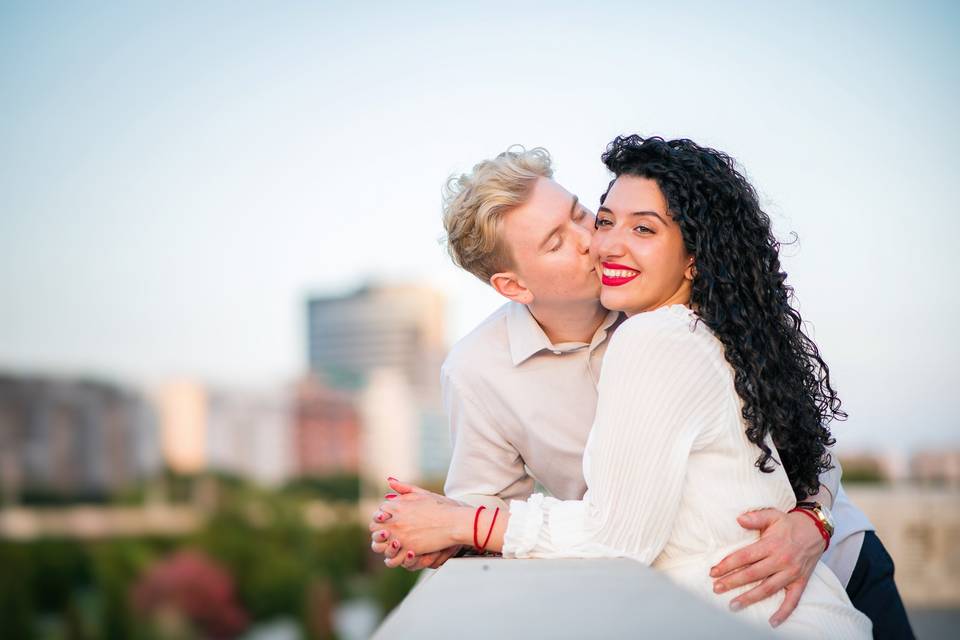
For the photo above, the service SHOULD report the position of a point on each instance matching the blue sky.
(175, 179)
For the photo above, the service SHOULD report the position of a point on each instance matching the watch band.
(821, 514)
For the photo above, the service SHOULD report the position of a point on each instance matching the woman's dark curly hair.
(740, 292)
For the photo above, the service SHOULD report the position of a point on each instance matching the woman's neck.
(681, 296)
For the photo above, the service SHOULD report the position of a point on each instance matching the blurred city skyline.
(177, 181)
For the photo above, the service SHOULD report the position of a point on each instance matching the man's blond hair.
(475, 203)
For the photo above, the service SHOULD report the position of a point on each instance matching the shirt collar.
(527, 337)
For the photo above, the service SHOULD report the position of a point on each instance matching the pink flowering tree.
(189, 587)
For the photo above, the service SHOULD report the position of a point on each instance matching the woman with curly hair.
(712, 400)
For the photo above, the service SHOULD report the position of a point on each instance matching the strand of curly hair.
(739, 290)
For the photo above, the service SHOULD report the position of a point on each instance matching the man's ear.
(509, 285)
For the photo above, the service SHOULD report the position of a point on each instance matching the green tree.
(16, 597)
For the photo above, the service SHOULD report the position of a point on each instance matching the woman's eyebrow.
(649, 213)
(636, 213)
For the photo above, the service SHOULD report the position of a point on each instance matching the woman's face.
(638, 249)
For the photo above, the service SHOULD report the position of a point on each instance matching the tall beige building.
(183, 426)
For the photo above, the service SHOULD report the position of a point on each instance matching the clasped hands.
(417, 529)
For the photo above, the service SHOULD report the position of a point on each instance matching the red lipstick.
(617, 280)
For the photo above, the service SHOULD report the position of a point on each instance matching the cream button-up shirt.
(520, 411)
(520, 408)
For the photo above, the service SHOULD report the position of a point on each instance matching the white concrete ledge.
(493, 598)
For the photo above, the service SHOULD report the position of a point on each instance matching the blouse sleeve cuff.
(523, 529)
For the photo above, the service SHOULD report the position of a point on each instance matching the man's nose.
(584, 236)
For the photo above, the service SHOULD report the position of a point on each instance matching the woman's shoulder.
(675, 330)
(675, 320)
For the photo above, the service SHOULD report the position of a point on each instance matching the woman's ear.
(691, 271)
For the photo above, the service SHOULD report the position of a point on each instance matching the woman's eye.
(601, 222)
(556, 247)
(643, 229)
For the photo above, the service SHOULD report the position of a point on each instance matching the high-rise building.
(390, 326)
(386, 342)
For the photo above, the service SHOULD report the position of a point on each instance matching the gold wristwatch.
(822, 514)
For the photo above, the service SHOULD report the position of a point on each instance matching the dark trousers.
(873, 591)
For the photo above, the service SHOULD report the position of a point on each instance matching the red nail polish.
(390, 496)
(395, 544)
(409, 554)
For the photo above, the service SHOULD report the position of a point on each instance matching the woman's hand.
(421, 523)
(414, 524)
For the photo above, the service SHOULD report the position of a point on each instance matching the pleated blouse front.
(668, 467)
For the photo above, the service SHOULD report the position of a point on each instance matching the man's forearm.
(477, 499)
(829, 485)
(823, 496)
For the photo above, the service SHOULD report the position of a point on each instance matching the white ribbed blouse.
(668, 469)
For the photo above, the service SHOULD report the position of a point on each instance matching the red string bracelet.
(822, 529)
(489, 533)
(476, 519)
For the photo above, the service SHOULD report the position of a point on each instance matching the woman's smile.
(614, 275)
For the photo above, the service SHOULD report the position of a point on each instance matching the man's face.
(549, 239)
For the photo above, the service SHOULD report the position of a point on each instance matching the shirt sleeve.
(663, 394)
(485, 468)
(830, 479)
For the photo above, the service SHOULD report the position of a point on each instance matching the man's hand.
(784, 557)
(381, 542)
